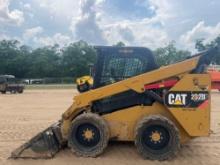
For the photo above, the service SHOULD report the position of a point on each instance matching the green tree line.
(50, 61)
(72, 60)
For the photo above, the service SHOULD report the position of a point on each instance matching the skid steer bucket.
(44, 145)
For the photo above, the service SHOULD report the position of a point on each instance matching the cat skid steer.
(132, 99)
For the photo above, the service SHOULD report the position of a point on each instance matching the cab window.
(2, 80)
(120, 68)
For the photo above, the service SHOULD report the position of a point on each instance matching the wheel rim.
(155, 137)
(87, 135)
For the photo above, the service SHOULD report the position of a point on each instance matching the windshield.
(11, 80)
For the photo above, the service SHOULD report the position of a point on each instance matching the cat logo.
(177, 99)
(185, 99)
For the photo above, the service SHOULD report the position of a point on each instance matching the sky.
(148, 23)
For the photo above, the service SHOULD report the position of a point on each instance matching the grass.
(50, 86)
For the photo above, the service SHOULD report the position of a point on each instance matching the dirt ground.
(22, 116)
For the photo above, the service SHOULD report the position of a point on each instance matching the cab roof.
(7, 76)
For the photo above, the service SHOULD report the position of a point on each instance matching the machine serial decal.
(185, 99)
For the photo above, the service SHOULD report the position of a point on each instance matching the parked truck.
(8, 84)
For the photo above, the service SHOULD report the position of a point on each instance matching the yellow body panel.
(196, 121)
(190, 122)
(135, 83)
(84, 79)
(122, 123)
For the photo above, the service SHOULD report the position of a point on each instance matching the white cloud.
(58, 38)
(149, 31)
(86, 27)
(7, 37)
(126, 33)
(27, 6)
(199, 31)
(4, 37)
(140, 33)
(152, 37)
(172, 21)
(61, 9)
(13, 17)
(96, 26)
(163, 10)
(92, 20)
(182, 15)
(32, 32)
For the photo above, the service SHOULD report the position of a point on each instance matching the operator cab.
(7, 79)
(119, 63)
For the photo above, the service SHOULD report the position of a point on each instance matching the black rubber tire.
(87, 151)
(171, 147)
(20, 91)
(3, 92)
(83, 88)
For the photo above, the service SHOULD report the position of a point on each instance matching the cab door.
(2, 84)
(118, 63)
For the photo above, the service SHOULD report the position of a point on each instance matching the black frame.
(103, 52)
(128, 98)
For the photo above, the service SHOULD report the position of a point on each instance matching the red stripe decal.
(168, 83)
(204, 104)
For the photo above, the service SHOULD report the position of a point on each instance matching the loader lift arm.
(136, 83)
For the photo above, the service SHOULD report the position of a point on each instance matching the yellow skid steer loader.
(132, 99)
